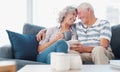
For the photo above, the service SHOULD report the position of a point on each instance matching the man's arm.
(104, 43)
(88, 49)
(41, 34)
(81, 48)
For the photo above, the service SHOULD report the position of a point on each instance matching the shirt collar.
(85, 26)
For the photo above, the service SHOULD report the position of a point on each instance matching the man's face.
(83, 15)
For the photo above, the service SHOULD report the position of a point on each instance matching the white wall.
(12, 17)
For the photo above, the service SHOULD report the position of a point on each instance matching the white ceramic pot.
(75, 61)
(60, 61)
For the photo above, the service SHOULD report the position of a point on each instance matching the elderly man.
(94, 36)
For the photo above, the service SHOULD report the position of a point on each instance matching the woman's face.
(70, 17)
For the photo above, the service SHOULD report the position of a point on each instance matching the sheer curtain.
(12, 17)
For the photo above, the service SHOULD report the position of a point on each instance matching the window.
(12, 17)
(45, 11)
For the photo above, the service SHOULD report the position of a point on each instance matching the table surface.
(84, 68)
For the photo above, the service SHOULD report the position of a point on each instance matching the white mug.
(71, 42)
(52, 60)
(60, 61)
(75, 61)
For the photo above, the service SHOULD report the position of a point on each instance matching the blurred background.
(15, 13)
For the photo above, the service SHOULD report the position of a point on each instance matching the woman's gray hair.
(64, 12)
(85, 6)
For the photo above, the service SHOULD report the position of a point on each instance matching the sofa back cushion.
(31, 29)
(115, 41)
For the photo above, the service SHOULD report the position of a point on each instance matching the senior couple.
(93, 35)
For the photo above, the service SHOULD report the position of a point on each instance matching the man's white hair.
(85, 6)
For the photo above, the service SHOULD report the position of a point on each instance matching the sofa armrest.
(6, 52)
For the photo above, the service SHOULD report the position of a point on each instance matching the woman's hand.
(41, 48)
(59, 36)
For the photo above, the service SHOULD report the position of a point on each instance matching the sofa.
(7, 52)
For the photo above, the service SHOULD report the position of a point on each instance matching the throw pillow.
(24, 46)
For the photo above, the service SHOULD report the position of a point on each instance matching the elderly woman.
(54, 40)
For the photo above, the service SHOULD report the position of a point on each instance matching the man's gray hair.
(85, 6)
(64, 12)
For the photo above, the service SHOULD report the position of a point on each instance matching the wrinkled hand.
(41, 35)
(77, 47)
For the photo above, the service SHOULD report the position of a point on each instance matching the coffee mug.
(60, 61)
(53, 56)
(75, 61)
(71, 42)
(67, 35)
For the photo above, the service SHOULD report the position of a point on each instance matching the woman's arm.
(42, 47)
(46, 42)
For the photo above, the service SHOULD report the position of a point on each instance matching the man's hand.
(41, 35)
(81, 48)
(77, 47)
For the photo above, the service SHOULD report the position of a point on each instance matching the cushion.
(24, 46)
(115, 41)
(31, 29)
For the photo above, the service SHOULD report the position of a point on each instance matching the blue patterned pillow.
(24, 46)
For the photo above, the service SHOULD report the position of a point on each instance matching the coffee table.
(84, 68)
